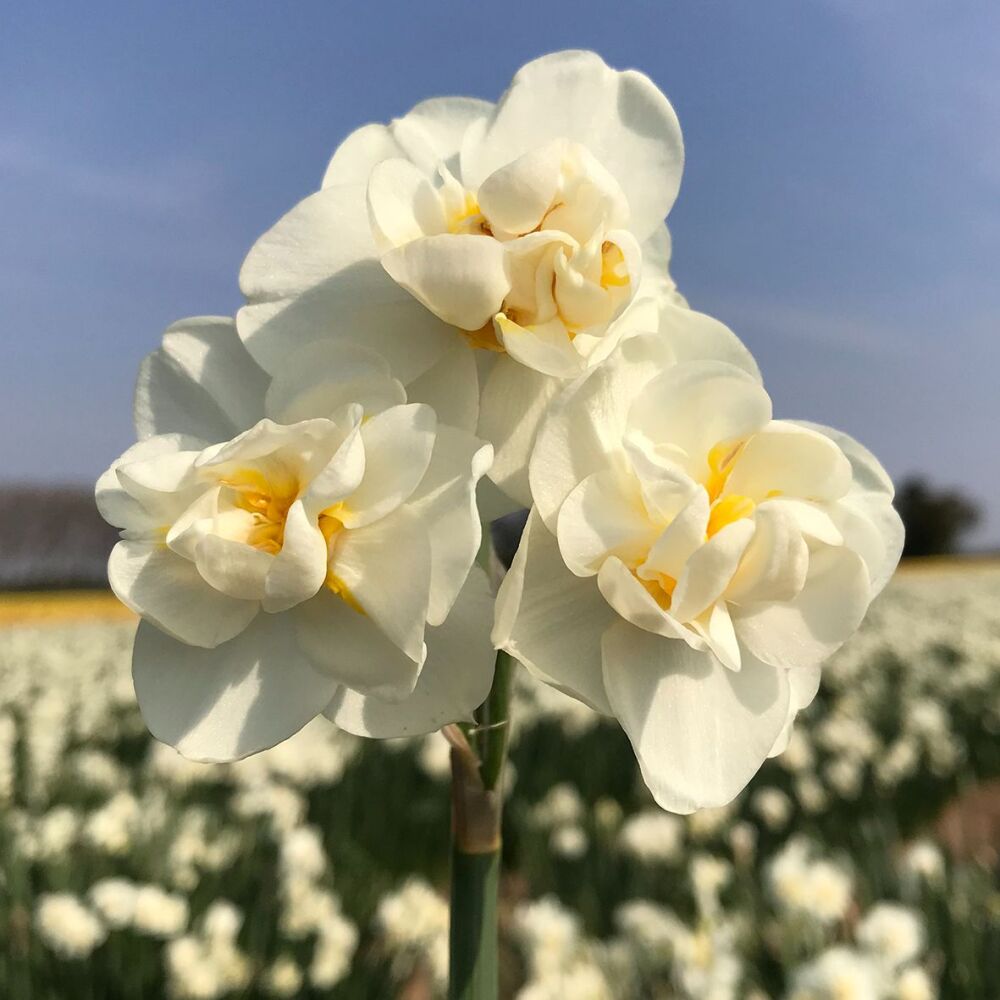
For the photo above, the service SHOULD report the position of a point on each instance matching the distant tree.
(935, 519)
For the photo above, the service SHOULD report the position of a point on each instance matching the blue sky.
(840, 208)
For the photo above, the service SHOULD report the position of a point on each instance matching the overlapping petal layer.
(720, 555)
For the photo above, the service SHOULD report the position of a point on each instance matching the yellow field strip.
(58, 607)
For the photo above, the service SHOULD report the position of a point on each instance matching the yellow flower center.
(727, 510)
(614, 271)
(468, 219)
(268, 502)
(661, 589)
(331, 526)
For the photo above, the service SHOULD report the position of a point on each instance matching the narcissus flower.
(288, 541)
(690, 562)
(499, 241)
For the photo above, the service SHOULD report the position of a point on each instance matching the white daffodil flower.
(288, 541)
(690, 562)
(477, 244)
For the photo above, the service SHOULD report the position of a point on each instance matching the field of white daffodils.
(860, 865)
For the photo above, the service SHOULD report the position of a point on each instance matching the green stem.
(494, 722)
(477, 763)
(473, 935)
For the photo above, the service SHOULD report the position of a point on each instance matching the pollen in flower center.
(267, 501)
(727, 510)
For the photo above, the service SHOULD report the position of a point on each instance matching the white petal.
(699, 404)
(356, 157)
(544, 347)
(551, 620)
(872, 528)
(168, 590)
(622, 119)
(700, 732)
(386, 566)
(237, 699)
(636, 605)
(321, 236)
(603, 516)
(792, 461)
(451, 387)
(398, 446)
(584, 427)
(515, 197)
(289, 454)
(710, 569)
(232, 567)
(148, 479)
(297, 572)
(403, 205)
(462, 279)
(514, 401)
(454, 681)
(776, 561)
(361, 305)
(716, 628)
(694, 336)
(814, 520)
(319, 379)
(341, 476)
(351, 649)
(445, 501)
(867, 471)
(120, 508)
(206, 351)
(428, 134)
(166, 401)
(805, 631)
(685, 533)
(803, 683)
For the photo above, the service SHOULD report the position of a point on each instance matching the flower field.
(862, 863)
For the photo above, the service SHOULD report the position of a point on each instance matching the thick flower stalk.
(295, 546)
(491, 249)
(690, 562)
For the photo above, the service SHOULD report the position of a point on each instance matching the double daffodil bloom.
(690, 562)
(496, 247)
(288, 543)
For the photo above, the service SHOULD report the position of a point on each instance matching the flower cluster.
(474, 314)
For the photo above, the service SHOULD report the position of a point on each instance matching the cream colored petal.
(515, 400)
(621, 118)
(700, 732)
(226, 703)
(454, 681)
(168, 591)
(635, 604)
(776, 562)
(297, 572)
(349, 648)
(445, 501)
(789, 460)
(604, 516)
(462, 279)
(805, 631)
(551, 620)
(398, 444)
(710, 569)
(699, 404)
(386, 568)
(403, 205)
